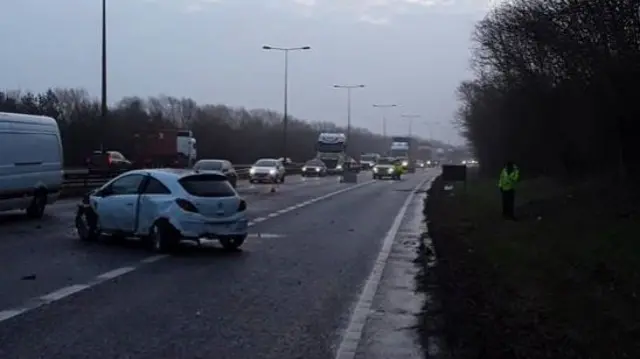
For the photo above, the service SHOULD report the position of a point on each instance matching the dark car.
(314, 167)
(223, 166)
(108, 162)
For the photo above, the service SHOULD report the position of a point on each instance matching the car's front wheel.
(233, 242)
(87, 225)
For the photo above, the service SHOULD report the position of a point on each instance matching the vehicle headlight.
(405, 163)
(428, 162)
(317, 169)
(375, 169)
(272, 172)
(390, 170)
(304, 168)
(252, 171)
(339, 167)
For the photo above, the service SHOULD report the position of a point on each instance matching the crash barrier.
(79, 181)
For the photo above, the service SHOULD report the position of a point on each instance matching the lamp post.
(410, 118)
(103, 105)
(348, 88)
(285, 120)
(384, 118)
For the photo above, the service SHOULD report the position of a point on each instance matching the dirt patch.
(562, 282)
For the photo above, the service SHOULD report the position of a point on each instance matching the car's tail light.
(186, 205)
(109, 160)
(243, 206)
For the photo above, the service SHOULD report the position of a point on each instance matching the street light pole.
(104, 109)
(384, 117)
(348, 88)
(411, 118)
(285, 120)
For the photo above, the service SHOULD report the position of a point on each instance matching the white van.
(31, 162)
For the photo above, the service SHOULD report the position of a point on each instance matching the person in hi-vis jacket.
(509, 177)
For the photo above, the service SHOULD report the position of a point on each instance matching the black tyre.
(37, 206)
(232, 243)
(282, 179)
(162, 238)
(86, 223)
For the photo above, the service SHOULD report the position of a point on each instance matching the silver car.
(267, 170)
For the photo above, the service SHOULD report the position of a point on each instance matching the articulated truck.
(331, 149)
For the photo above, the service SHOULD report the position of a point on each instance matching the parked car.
(223, 166)
(388, 168)
(314, 167)
(164, 207)
(31, 163)
(267, 170)
(108, 162)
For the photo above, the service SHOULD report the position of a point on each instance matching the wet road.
(288, 294)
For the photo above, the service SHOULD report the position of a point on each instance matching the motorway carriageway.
(290, 293)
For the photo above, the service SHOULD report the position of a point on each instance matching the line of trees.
(236, 134)
(556, 87)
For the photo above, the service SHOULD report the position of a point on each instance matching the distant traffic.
(32, 170)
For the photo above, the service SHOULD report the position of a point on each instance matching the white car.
(267, 170)
(165, 207)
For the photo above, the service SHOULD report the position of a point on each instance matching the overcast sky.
(410, 52)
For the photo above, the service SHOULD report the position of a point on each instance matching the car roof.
(172, 173)
(212, 160)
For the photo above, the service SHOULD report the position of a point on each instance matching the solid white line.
(353, 334)
(65, 292)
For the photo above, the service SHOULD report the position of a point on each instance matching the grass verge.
(562, 282)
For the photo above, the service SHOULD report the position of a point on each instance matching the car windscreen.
(266, 163)
(367, 158)
(384, 161)
(207, 186)
(208, 166)
(314, 163)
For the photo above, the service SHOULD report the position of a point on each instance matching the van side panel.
(30, 159)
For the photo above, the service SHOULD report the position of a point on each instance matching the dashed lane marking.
(353, 334)
(65, 292)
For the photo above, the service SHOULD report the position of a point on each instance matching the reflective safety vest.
(508, 180)
(398, 168)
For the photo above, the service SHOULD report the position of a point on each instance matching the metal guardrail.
(78, 181)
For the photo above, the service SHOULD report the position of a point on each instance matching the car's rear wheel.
(163, 238)
(233, 242)
(38, 204)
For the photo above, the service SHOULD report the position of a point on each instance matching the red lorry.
(164, 148)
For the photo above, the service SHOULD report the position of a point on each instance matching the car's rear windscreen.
(207, 186)
(208, 166)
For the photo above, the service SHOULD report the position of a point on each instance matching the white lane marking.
(353, 334)
(65, 292)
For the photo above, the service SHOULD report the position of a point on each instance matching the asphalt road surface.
(288, 294)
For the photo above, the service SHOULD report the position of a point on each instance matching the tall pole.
(285, 119)
(411, 118)
(348, 88)
(384, 117)
(348, 113)
(104, 109)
